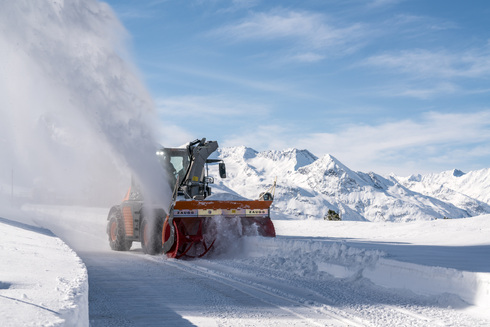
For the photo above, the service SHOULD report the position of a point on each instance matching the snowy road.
(132, 289)
(261, 282)
(185, 294)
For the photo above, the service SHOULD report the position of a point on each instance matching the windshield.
(175, 162)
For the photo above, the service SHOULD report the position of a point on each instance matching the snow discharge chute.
(189, 228)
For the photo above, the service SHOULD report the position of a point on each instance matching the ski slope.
(315, 273)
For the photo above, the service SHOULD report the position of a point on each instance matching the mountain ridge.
(308, 186)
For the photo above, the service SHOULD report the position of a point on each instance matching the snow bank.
(440, 258)
(42, 281)
(471, 287)
(311, 258)
(314, 259)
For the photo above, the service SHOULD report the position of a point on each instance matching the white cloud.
(415, 26)
(237, 5)
(401, 144)
(419, 90)
(435, 142)
(262, 137)
(307, 57)
(156, 2)
(421, 93)
(208, 107)
(427, 74)
(262, 85)
(306, 30)
(421, 63)
(383, 3)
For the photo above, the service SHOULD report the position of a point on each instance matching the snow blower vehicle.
(189, 227)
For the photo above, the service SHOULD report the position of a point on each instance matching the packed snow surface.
(422, 273)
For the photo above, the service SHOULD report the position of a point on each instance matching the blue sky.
(382, 85)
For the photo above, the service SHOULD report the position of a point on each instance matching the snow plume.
(228, 234)
(76, 120)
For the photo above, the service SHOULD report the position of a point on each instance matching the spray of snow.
(228, 234)
(76, 120)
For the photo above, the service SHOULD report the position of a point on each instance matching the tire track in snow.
(313, 314)
(388, 304)
(318, 308)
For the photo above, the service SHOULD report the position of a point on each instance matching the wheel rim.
(173, 253)
(113, 231)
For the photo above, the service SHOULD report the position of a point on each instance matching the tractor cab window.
(175, 162)
(180, 165)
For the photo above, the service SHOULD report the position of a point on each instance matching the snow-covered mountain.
(307, 187)
(470, 191)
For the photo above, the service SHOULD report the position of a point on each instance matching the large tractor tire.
(115, 230)
(151, 236)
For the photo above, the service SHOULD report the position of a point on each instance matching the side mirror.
(222, 170)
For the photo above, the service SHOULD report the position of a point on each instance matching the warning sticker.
(185, 213)
(257, 212)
